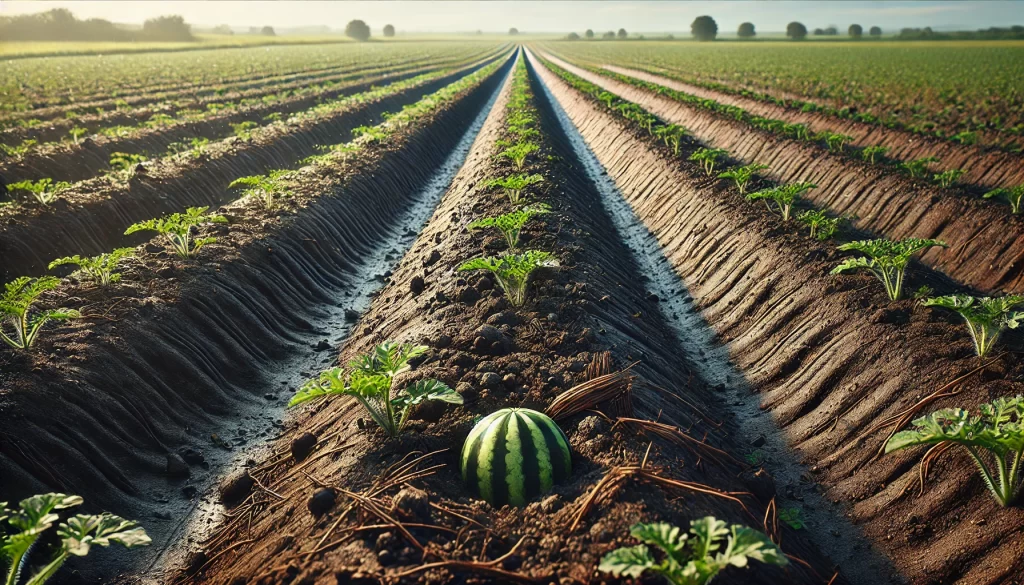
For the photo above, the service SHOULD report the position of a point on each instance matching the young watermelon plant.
(886, 259)
(918, 168)
(45, 191)
(1014, 197)
(16, 310)
(986, 318)
(742, 175)
(369, 379)
(177, 228)
(512, 271)
(264, 189)
(998, 430)
(22, 527)
(707, 157)
(515, 184)
(672, 135)
(822, 226)
(514, 455)
(947, 178)
(784, 196)
(99, 268)
(870, 153)
(693, 558)
(510, 224)
(518, 152)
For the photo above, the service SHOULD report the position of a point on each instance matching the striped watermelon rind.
(514, 455)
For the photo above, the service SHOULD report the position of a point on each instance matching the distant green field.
(925, 85)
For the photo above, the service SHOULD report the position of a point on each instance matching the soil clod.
(303, 445)
(321, 502)
(236, 489)
(176, 466)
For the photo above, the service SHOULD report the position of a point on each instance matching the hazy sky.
(552, 16)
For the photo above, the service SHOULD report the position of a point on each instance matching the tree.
(622, 33)
(796, 31)
(746, 30)
(223, 30)
(875, 31)
(704, 28)
(832, 31)
(167, 28)
(818, 32)
(856, 31)
(513, 31)
(268, 31)
(573, 36)
(389, 31)
(358, 30)
(608, 35)
(589, 34)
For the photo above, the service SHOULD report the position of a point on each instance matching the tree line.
(60, 24)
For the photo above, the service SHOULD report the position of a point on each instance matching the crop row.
(882, 201)
(58, 159)
(65, 79)
(191, 140)
(815, 356)
(115, 112)
(943, 91)
(842, 144)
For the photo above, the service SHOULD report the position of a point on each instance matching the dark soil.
(830, 356)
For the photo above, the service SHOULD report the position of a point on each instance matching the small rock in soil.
(759, 441)
(488, 338)
(385, 558)
(490, 380)
(509, 380)
(469, 295)
(416, 285)
(441, 341)
(176, 466)
(485, 284)
(760, 483)
(153, 248)
(189, 492)
(303, 445)
(270, 396)
(351, 316)
(411, 504)
(236, 489)
(323, 345)
(191, 456)
(551, 503)
(321, 502)
(653, 298)
(466, 390)
(591, 427)
(432, 258)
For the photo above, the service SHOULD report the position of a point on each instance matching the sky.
(545, 16)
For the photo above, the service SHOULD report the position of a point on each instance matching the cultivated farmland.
(541, 312)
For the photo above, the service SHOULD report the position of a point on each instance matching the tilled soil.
(986, 241)
(92, 217)
(830, 355)
(984, 166)
(497, 356)
(123, 407)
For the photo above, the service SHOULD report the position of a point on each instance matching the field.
(494, 310)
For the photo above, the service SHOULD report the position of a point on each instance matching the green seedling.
(19, 151)
(98, 268)
(784, 197)
(22, 527)
(510, 224)
(947, 178)
(821, 225)
(693, 558)
(160, 119)
(515, 184)
(124, 163)
(518, 152)
(834, 140)
(370, 133)
(45, 191)
(997, 430)
(77, 133)
(16, 310)
(672, 135)
(1014, 196)
(243, 130)
(870, 153)
(707, 157)
(742, 175)
(792, 517)
(986, 318)
(177, 228)
(967, 138)
(886, 259)
(918, 168)
(369, 379)
(264, 189)
(512, 271)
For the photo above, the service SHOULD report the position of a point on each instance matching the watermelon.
(515, 455)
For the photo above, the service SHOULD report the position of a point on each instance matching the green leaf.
(82, 531)
(627, 562)
(747, 543)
